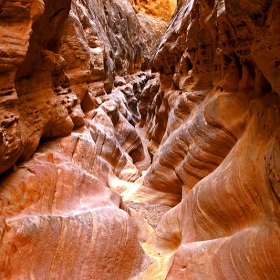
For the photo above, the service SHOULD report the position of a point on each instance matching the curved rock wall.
(60, 219)
(214, 136)
(69, 147)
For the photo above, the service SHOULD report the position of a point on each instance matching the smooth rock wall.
(214, 136)
(68, 109)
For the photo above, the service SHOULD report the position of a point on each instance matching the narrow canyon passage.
(139, 139)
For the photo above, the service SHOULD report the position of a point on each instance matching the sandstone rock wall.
(213, 132)
(68, 108)
(60, 219)
(103, 39)
(54, 56)
(68, 132)
(16, 27)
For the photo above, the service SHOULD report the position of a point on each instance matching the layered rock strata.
(58, 215)
(68, 111)
(16, 20)
(68, 114)
(66, 52)
(214, 136)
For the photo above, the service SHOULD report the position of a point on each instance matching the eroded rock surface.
(54, 56)
(62, 214)
(213, 132)
(75, 83)
(16, 21)
(162, 9)
(70, 78)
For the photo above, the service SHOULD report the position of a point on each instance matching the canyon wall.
(71, 73)
(214, 137)
(75, 81)
(55, 55)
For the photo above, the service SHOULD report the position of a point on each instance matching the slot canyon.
(139, 139)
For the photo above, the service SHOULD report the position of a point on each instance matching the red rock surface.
(215, 128)
(68, 132)
(74, 189)
(15, 28)
(55, 55)
(58, 214)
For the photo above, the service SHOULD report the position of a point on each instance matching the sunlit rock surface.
(161, 9)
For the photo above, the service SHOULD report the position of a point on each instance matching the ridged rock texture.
(68, 112)
(214, 136)
(101, 110)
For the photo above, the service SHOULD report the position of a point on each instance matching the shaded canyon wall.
(68, 112)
